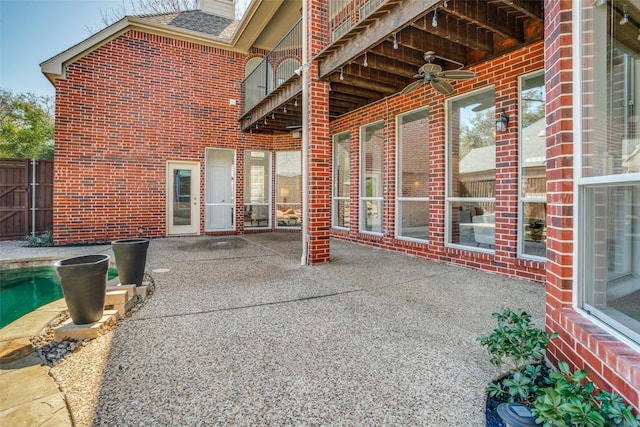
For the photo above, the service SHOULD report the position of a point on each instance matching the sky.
(33, 31)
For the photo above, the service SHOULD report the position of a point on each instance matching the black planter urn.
(84, 285)
(131, 257)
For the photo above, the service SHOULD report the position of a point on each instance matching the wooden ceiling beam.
(530, 8)
(476, 12)
(381, 88)
(373, 35)
(339, 87)
(418, 40)
(458, 31)
(386, 64)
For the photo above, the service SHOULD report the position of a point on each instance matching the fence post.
(33, 197)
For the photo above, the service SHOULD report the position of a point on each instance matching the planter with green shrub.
(556, 397)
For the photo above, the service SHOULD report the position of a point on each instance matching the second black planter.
(131, 257)
(84, 285)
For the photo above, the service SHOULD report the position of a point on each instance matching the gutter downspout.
(305, 137)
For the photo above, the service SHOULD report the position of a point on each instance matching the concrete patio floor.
(238, 332)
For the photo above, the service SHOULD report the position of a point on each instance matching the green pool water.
(22, 290)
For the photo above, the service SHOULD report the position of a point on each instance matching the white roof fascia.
(54, 68)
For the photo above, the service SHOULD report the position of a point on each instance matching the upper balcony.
(277, 67)
(375, 47)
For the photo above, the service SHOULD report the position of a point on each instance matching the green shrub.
(516, 340)
(571, 400)
(45, 239)
(557, 398)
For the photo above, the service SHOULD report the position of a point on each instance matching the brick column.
(559, 112)
(319, 140)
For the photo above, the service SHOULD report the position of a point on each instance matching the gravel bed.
(77, 367)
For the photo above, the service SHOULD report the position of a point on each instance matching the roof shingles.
(196, 20)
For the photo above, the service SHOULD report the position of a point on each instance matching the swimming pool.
(22, 290)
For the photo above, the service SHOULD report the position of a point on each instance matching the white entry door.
(183, 198)
(219, 208)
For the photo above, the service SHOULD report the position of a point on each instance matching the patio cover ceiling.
(394, 39)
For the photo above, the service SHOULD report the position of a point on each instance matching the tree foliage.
(26, 125)
(478, 132)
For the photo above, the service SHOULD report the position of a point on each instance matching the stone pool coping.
(15, 338)
(28, 395)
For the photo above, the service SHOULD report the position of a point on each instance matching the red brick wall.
(612, 364)
(124, 110)
(503, 72)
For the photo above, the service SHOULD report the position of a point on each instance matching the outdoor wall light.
(502, 122)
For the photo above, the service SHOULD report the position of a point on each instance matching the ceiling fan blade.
(412, 86)
(294, 127)
(430, 69)
(442, 86)
(457, 74)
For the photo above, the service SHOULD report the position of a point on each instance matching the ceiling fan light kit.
(436, 76)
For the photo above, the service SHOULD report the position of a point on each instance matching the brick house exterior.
(138, 98)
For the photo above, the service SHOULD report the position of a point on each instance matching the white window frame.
(268, 176)
(335, 199)
(362, 183)
(581, 187)
(276, 204)
(451, 200)
(399, 199)
(523, 199)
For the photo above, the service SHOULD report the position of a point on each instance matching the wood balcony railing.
(344, 14)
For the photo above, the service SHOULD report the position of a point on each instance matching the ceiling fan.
(433, 73)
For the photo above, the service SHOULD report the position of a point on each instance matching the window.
(532, 232)
(412, 213)
(286, 69)
(257, 189)
(371, 155)
(341, 180)
(609, 173)
(471, 177)
(289, 188)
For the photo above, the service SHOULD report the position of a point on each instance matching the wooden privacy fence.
(26, 197)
